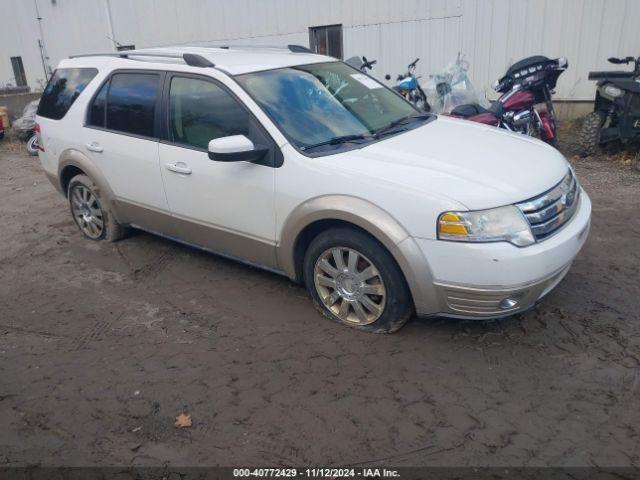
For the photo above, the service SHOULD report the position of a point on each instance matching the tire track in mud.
(98, 332)
(35, 333)
(150, 268)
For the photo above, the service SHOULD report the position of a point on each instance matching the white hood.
(477, 165)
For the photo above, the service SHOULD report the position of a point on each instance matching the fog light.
(508, 303)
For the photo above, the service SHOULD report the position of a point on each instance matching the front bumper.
(474, 302)
(490, 280)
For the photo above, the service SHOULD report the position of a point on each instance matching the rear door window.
(131, 103)
(63, 89)
(97, 109)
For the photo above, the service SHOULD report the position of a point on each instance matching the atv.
(616, 115)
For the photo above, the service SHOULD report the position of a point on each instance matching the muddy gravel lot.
(102, 345)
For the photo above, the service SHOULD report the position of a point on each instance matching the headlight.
(495, 225)
(612, 91)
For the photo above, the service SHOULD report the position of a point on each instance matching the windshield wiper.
(389, 129)
(336, 141)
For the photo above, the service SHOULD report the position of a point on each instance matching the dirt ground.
(102, 345)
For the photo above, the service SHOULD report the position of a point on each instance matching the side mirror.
(236, 148)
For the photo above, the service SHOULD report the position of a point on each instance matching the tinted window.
(131, 103)
(200, 111)
(98, 108)
(63, 89)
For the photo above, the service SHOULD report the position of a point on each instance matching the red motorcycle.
(526, 84)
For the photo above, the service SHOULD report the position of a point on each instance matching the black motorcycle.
(616, 115)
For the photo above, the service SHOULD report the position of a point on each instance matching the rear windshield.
(63, 89)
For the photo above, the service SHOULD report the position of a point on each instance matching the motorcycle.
(526, 84)
(616, 114)
(25, 127)
(408, 86)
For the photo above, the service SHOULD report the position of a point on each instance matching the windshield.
(326, 104)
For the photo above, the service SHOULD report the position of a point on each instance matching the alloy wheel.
(86, 211)
(350, 286)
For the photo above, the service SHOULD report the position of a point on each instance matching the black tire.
(398, 306)
(32, 145)
(589, 138)
(111, 230)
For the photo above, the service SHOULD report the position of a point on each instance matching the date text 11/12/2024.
(315, 473)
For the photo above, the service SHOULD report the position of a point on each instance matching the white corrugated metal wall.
(491, 33)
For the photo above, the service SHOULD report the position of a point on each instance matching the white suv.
(305, 166)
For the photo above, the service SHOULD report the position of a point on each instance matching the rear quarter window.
(63, 89)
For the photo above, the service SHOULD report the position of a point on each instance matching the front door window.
(200, 111)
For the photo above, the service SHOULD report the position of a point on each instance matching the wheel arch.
(315, 215)
(73, 162)
(66, 174)
(310, 232)
(311, 217)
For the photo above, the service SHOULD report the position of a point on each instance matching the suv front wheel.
(92, 217)
(354, 280)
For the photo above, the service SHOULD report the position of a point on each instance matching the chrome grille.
(547, 213)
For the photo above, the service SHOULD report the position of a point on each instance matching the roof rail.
(191, 59)
(227, 46)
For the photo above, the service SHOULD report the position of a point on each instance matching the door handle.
(179, 167)
(94, 147)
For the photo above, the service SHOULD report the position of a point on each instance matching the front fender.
(371, 218)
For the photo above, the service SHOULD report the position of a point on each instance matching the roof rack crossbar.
(191, 59)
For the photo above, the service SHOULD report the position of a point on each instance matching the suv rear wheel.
(92, 217)
(354, 280)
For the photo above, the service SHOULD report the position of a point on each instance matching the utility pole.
(41, 47)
